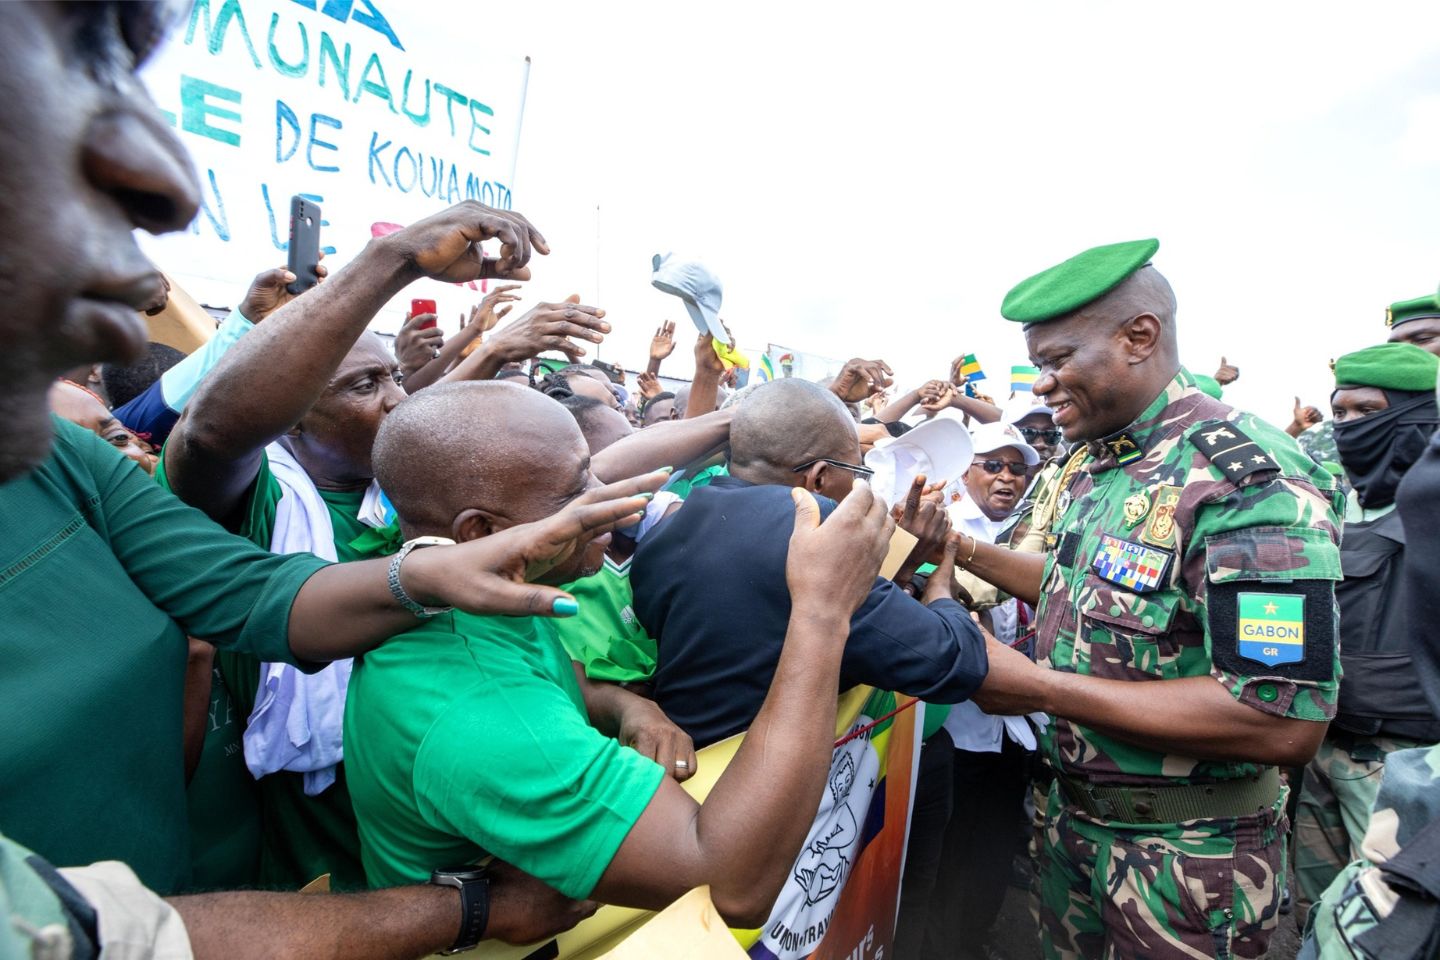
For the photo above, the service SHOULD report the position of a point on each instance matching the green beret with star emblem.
(1389, 366)
(1068, 286)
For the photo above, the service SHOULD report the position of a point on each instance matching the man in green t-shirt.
(474, 736)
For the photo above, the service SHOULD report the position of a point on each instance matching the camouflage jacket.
(1360, 898)
(1198, 541)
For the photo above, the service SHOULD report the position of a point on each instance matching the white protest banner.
(381, 111)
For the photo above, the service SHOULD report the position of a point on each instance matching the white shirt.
(970, 727)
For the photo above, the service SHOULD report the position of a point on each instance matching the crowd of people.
(446, 623)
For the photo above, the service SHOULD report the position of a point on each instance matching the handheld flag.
(1022, 378)
(970, 367)
(765, 372)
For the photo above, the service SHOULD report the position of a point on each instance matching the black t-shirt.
(710, 587)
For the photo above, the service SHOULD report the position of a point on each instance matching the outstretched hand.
(503, 573)
(483, 315)
(1227, 373)
(446, 246)
(268, 292)
(860, 378)
(663, 343)
(550, 326)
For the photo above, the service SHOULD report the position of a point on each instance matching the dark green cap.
(1068, 286)
(1208, 385)
(1403, 311)
(1389, 366)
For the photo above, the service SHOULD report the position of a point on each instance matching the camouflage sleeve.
(1265, 556)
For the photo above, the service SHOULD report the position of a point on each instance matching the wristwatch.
(474, 885)
(398, 592)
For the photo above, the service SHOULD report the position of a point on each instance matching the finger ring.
(682, 764)
(436, 354)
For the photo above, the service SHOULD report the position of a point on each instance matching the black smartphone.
(304, 244)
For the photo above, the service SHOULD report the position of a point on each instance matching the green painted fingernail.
(647, 496)
(565, 607)
(667, 470)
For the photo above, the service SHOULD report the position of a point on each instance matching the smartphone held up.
(419, 306)
(304, 256)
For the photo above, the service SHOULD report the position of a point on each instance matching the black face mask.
(1378, 449)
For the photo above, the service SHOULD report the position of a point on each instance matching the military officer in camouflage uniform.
(1187, 619)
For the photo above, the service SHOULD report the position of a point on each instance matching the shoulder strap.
(1227, 447)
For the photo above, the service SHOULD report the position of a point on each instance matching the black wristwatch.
(474, 885)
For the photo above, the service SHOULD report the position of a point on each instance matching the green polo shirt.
(468, 735)
(102, 574)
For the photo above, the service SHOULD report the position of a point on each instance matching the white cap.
(1021, 406)
(696, 286)
(990, 437)
(939, 448)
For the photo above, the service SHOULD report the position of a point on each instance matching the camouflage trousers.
(1335, 799)
(1202, 888)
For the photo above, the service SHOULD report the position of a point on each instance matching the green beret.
(1403, 311)
(1389, 366)
(1208, 385)
(1068, 286)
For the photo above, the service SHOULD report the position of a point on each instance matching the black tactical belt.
(1174, 803)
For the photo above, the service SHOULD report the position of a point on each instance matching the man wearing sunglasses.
(709, 579)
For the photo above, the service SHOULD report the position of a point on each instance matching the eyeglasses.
(1047, 434)
(864, 473)
(995, 466)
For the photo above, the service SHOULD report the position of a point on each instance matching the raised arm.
(669, 443)
(448, 353)
(277, 372)
(743, 840)
(549, 326)
(705, 388)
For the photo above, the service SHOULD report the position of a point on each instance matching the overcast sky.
(871, 179)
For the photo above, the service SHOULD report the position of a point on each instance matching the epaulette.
(1228, 448)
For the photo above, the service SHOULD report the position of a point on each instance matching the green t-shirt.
(468, 735)
(606, 637)
(304, 836)
(223, 801)
(102, 575)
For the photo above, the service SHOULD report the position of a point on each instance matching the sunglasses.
(1049, 435)
(995, 466)
(864, 473)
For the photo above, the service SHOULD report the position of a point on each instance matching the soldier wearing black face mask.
(1385, 411)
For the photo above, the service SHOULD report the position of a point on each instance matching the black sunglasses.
(995, 466)
(1048, 434)
(865, 473)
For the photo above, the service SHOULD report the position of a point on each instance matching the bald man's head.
(787, 423)
(499, 450)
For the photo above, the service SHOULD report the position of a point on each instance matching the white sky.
(871, 179)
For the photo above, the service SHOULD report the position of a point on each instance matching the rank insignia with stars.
(1160, 527)
(1228, 448)
(1136, 506)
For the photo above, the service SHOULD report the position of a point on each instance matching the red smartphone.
(418, 307)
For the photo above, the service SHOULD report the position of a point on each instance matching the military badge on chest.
(1133, 566)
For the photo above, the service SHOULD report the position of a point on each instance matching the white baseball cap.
(1021, 406)
(938, 448)
(989, 437)
(696, 286)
